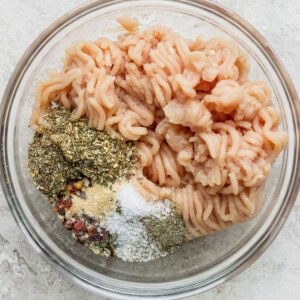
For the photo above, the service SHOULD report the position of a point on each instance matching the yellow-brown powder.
(98, 203)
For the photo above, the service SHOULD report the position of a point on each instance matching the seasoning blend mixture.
(85, 174)
(144, 229)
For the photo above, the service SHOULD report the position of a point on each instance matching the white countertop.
(24, 275)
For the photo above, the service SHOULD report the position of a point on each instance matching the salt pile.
(134, 244)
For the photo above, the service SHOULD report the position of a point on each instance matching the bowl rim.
(8, 190)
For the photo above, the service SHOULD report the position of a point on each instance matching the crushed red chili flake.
(82, 194)
(85, 229)
(79, 225)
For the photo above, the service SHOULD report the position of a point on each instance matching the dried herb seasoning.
(49, 169)
(168, 231)
(119, 210)
(69, 149)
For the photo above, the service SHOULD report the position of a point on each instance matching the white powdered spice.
(134, 244)
(133, 204)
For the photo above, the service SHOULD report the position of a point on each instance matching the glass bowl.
(200, 264)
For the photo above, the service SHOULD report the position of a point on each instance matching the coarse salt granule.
(133, 241)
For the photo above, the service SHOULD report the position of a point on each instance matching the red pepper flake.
(68, 203)
(57, 205)
(79, 225)
(70, 188)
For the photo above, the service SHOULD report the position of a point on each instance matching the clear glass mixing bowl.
(200, 264)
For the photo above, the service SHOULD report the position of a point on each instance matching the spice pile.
(145, 230)
(86, 174)
(85, 228)
(68, 149)
(98, 201)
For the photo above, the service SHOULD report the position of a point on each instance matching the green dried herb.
(168, 231)
(49, 169)
(119, 210)
(69, 149)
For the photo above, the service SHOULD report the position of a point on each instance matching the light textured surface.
(24, 275)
